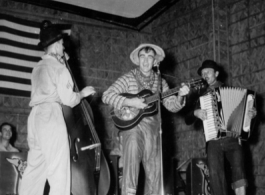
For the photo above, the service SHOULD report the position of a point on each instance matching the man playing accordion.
(221, 147)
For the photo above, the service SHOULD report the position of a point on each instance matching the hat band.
(53, 40)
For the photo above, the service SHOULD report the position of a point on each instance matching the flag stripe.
(17, 62)
(20, 21)
(15, 68)
(15, 80)
(19, 38)
(12, 49)
(15, 92)
(17, 32)
(13, 73)
(19, 56)
(5, 41)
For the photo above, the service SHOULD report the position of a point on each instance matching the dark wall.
(228, 31)
(232, 33)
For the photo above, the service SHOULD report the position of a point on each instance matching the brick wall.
(232, 33)
(185, 32)
(229, 31)
(246, 46)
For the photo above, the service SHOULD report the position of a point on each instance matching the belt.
(222, 134)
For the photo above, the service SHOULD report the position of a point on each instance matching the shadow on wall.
(72, 48)
(167, 67)
(223, 76)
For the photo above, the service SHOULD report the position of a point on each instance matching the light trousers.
(49, 155)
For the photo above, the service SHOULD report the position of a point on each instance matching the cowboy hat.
(49, 34)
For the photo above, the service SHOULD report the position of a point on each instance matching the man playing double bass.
(52, 85)
(141, 142)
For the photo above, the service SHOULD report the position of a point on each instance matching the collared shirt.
(215, 85)
(52, 82)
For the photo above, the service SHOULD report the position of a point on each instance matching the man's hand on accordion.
(252, 112)
(201, 114)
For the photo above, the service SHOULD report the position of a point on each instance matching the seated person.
(5, 136)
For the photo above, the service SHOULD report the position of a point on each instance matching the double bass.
(90, 173)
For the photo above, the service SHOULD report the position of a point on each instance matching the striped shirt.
(128, 84)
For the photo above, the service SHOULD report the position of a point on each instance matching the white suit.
(49, 157)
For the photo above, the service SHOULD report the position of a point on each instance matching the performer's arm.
(175, 103)
(112, 95)
(65, 89)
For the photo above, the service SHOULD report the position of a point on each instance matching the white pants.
(49, 155)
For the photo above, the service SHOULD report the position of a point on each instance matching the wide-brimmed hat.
(160, 54)
(208, 64)
(49, 34)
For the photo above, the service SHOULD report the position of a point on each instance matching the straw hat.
(160, 54)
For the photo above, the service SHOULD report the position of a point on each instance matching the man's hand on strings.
(184, 90)
(135, 102)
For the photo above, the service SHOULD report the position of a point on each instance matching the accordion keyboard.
(207, 103)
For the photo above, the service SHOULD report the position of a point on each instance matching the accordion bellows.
(227, 112)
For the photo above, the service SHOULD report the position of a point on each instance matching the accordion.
(227, 112)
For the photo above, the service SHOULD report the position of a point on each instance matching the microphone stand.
(160, 127)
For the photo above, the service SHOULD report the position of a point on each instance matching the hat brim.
(199, 71)
(160, 54)
(43, 45)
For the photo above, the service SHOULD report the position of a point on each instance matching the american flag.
(19, 53)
